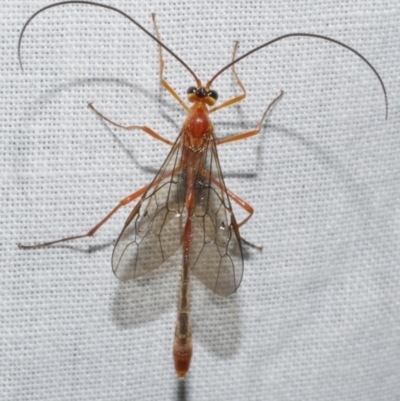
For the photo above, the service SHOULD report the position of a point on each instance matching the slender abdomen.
(183, 332)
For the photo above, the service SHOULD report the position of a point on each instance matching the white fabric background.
(317, 314)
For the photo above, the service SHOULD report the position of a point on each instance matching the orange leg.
(91, 232)
(122, 203)
(243, 204)
(165, 85)
(253, 132)
(143, 128)
(236, 99)
(163, 82)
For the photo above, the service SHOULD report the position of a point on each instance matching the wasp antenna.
(309, 35)
(91, 3)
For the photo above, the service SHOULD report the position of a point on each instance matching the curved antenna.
(310, 35)
(91, 3)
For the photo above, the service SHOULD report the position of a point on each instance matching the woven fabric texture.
(317, 315)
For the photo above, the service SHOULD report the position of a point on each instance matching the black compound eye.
(213, 94)
(192, 89)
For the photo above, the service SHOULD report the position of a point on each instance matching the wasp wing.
(216, 254)
(153, 231)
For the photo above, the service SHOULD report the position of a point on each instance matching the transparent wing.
(216, 254)
(153, 230)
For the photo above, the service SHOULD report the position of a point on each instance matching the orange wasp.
(187, 205)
